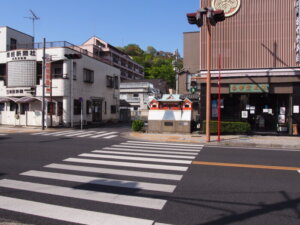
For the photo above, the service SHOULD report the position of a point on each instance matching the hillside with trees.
(157, 64)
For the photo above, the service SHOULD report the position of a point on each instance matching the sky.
(157, 23)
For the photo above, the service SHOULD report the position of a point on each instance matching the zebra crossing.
(80, 134)
(137, 175)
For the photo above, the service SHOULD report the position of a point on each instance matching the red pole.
(219, 99)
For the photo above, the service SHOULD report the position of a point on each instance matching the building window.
(135, 95)
(105, 107)
(112, 81)
(13, 44)
(58, 72)
(13, 106)
(88, 76)
(74, 71)
(168, 124)
(109, 81)
(135, 108)
(116, 82)
(113, 109)
(77, 107)
(1, 107)
(88, 107)
(59, 108)
(24, 108)
(51, 108)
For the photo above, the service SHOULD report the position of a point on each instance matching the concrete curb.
(228, 141)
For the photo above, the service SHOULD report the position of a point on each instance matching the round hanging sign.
(230, 7)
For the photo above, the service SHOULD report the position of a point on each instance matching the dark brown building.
(259, 48)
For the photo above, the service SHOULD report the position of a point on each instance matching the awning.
(8, 99)
(25, 99)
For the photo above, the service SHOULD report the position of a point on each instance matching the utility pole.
(175, 67)
(43, 85)
(208, 82)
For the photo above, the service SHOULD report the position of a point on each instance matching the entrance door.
(97, 111)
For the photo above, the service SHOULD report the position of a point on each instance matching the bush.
(137, 125)
(228, 127)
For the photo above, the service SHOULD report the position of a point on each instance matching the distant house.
(171, 113)
(138, 94)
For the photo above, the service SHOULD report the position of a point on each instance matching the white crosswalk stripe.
(157, 172)
(152, 151)
(68, 214)
(80, 134)
(136, 158)
(159, 148)
(152, 175)
(127, 164)
(101, 135)
(84, 194)
(144, 154)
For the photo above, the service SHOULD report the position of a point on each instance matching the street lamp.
(212, 18)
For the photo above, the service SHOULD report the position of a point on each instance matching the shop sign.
(230, 7)
(297, 47)
(249, 88)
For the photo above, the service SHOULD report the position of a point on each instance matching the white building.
(78, 85)
(138, 94)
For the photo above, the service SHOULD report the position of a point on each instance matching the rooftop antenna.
(33, 17)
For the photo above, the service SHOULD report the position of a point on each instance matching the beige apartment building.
(130, 70)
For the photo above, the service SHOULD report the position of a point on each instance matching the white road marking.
(135, 158)
(150, 203)
(101, 181)
(68, 214)
(144, 154)
(158, 148)
(86, 135)
(63, 134)
(163, 146)
(152, 151)
(77, 133)
(152, 175)
(166, 143)
(111, 136)
(161, 224)
(101, 135)
(44, 132)
(127, 164)
(59, 132)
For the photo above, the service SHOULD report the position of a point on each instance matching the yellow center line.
(246, 166)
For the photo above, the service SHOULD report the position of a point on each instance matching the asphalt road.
(69, 178)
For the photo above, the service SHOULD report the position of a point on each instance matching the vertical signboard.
(48, 77)
(297, 47)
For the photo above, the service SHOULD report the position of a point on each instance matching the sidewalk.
(21, 129)
(284, 142)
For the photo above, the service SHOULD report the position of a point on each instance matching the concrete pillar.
(66, 111)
